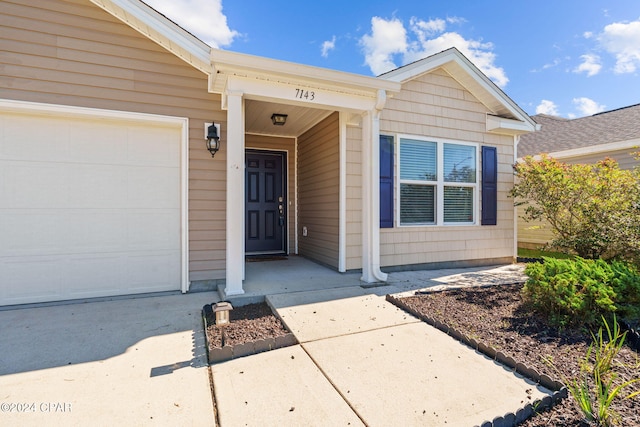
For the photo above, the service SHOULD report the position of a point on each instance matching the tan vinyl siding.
(74, 53)
(354, 198)
(435, 105)
(287, 145)
(536, 234)
(319, 190)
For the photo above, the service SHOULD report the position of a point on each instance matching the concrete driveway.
(136, 361)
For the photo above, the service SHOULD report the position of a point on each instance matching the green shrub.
(578, 292)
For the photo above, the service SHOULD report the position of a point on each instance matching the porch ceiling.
(299, 120)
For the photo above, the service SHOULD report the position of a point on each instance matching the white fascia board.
(505, 126)
(631, 144)
(439, 60)
(161, 30)
(227, 63)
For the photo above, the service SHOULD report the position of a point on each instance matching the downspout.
(371, 193)
(516, 141)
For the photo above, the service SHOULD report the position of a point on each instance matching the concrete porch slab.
(278, 388)
(422, 376)
(334, 312)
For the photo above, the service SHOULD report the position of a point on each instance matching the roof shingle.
(559, 134)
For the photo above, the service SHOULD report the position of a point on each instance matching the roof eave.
(507, 126)
(227, 63)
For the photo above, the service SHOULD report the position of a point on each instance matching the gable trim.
(453, 61)
(155, 26)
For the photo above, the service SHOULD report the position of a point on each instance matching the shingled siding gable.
(73, 53)
(436, 105)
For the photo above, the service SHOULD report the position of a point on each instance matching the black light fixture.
(279, 119)
(213, 139)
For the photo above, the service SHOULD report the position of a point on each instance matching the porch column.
(371, 196)
(235, 193)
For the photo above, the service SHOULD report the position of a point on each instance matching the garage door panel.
(88, 207)
(153, 272)
(95, 275)
(96, 186)
(41, 139)
(34, 185)
(58, 232)
(154, 147)
(143, 229)
(152, 187)
(96, 143)
(33, 279)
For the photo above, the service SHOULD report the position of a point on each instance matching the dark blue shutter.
(386, 181)
(489, 186)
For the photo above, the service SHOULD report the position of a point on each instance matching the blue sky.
(567, 58)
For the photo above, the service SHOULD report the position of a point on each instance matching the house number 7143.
(305, 94)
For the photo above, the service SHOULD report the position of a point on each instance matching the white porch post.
(371, 195)
(235, 193)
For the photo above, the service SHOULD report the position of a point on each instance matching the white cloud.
(590, 65)
(389, 38)
(588, 107)
(203, 18)
(328, 46)
(547, 107)
(623, 41)
(427, 28)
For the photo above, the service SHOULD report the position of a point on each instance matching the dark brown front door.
(265, 202)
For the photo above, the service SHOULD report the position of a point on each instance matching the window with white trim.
(438, 182)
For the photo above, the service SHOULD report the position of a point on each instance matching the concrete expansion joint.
(335, 387)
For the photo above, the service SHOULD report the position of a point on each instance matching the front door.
(265, 214)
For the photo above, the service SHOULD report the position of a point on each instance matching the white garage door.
(88, 207)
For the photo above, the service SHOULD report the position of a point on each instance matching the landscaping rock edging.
(222, 354)
(633, 335)
(511, 419)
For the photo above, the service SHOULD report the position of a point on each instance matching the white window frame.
(440, 183)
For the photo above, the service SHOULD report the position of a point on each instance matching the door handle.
(281, 210)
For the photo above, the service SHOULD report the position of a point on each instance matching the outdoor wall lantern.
(212, 135)
(222, 309)
(279, 119)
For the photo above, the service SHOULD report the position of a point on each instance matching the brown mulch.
(496, 316)
(249, 323)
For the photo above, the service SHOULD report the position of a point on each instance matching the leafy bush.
(577, 292)
(593, 210)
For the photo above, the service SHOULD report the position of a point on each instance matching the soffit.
(299, 120)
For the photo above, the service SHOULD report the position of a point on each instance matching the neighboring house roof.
(558, 134)
(507, 116)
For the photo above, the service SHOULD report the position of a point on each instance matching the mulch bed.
(253, 328)
(496, 317)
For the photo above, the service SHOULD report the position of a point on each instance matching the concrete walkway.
(362, 361)
(141, 360)
(125, 362)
